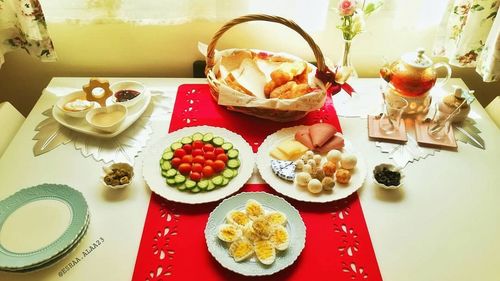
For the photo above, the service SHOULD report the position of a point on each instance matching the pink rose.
(347, 7)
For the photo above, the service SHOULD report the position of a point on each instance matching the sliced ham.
(337, 142)
(321, 133)
(304, 138)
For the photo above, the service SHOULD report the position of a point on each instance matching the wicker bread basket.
(275, 114)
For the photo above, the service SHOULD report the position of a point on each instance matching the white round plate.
(152, 171)
(252, 267)
(290, 189)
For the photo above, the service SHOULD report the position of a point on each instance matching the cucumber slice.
(197, 136)
(167, 155)
(235, 172)
(179, 178)
(218, 141)
(166, 166)
(190, 184)
(203, 184)
(164, 174)
(228, 173)
(171, 173)
(225, 181)
(182, 187)
(161, 161)
(176, 145)
(227, 146)
(233, 153)
(171, 181)
(186, 140)
(195, 190)
(208, 137)
(211, 185)
(233, 163)
(217, 180)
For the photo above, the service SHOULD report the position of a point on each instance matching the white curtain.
(470, 36)
(22, 26)
(309, 14)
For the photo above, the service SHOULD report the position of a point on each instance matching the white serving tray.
(81, 126)
(290, 189)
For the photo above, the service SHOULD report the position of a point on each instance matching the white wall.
(122, 49)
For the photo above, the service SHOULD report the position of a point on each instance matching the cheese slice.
(276, 153)
(292, 149)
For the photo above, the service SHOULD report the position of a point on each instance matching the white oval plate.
(152, 171)
(251, 267)
(290, 189)
(81, 125)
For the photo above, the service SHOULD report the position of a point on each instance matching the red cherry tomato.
(197, 152)
(188, 148)
(187, 158)
(219, 165)
(176, 162)
(209, 163)
(199, 159)
(208, 171)
(184, 168)
(222, 157)
(208, 147)
(209, 155)
(197, 167)
(195, 176)
(197, 144)
(218, 150)
(179, 152)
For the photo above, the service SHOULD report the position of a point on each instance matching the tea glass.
(440, 124)
(394, 106)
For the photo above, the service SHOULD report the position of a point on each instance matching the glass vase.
(345, 63)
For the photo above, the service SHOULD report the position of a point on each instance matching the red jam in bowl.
(126, 95)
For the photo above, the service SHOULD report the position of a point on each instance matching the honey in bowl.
(126, 95)
(106, 119)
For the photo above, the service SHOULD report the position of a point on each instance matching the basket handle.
(320, 60)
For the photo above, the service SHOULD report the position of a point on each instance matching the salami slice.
(337, 142)
(321, 133)
(304, 138)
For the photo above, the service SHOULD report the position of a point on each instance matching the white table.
(443, 225)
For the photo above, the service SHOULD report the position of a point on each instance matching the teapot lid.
(417, 59)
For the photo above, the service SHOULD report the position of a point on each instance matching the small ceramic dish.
(391, 168)
(107, 119)
(114, 173)
(72, 97)
(127, 89)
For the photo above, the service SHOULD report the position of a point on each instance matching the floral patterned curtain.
(470, 36)
(22, 25)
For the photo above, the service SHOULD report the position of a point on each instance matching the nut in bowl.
(127, 93)
(118, 175)
(388, 176)
(107, 119)
(75, 104)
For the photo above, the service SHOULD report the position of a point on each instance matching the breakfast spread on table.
(254, 231)
(199, 162)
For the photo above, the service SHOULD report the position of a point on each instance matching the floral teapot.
(414, 74)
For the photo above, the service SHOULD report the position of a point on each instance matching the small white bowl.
(128, 85)
(71, 97)
(114, 123)
(390, 167)
(109, 169)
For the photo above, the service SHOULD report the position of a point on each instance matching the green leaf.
(492, 15)
(477, 7)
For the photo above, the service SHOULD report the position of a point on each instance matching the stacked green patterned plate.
(40, 225)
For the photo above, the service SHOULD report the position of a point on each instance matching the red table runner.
(338, 245)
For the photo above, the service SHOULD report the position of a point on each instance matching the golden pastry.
(343, 176)
(97, 83)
